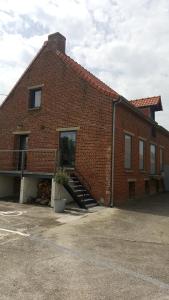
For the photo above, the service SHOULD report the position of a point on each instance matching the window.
(132, 190)
(152, 114)
(157, 186)
(152, 159)
(153, 131)
(128, 146)
(67, 148)
(141, 154)
(35, 98)
(20, 157)
(161, 160)
(147, 187)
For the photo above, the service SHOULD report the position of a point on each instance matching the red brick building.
(63, 115)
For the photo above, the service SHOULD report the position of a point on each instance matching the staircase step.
(74, 178)
(74, 181)
(79, 192)
(82, 195)
(89, 200)
(91, 205)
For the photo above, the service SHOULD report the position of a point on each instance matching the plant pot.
(59, 205)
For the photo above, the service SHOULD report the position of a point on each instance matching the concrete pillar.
(63, 192)
(29, 188)
(6, 186)
(53, 192)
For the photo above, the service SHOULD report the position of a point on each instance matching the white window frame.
(36, 95)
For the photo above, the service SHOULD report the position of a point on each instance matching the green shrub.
(61, 177)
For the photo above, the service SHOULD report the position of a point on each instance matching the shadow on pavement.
(154, 204)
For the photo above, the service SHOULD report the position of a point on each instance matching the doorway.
(22, 158)
(67, 147)
(132, 190)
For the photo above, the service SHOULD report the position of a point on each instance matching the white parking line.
(12, 213)
(8, 241)
(15, 232)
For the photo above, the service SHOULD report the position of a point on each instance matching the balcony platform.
(16, 173)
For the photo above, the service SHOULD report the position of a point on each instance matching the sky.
(124, 43)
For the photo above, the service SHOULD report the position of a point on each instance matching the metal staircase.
(79, 193)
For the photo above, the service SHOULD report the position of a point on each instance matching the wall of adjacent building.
(129, 122)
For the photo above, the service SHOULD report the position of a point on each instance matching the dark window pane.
(23, 145)
(152, 159)
(67, 148)
(35, 98)
(161, 160)
(141, 155)
(128, 140)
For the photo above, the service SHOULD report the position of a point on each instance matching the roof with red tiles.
(150, 101)
(87, 76)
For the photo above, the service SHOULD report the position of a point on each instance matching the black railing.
(32, 160)
(82, 179)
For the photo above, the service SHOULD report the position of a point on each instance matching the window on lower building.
(132, 190)
(147, 187)
(161, 159)
(141, 154)
(157, 186)
(152, 114)
(35, 98)
(128, 150)
(152, 159)
(153, 131)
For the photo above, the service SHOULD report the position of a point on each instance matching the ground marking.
(12, 213)
(8, 241)
(15, 232)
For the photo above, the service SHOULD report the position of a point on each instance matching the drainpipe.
(115, 103)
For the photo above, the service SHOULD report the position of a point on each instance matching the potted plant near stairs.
(61, 178)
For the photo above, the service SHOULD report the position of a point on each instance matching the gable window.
(35, 98)
(141, 154)
(152, 113)
(127, 153)
(153, 131)
(152, 159)
(161, 159)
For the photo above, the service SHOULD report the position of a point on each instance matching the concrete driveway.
(104, 254)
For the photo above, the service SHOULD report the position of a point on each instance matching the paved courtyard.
(107, 253)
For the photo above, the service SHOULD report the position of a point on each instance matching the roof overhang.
(151, 102)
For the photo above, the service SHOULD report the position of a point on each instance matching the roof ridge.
(87, 75)
(150, 97)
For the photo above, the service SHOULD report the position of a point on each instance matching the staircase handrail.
(88, 186)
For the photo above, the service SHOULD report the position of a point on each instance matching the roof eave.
(137, 111)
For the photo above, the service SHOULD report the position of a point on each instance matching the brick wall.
(127, 120)
(146, 111)
(67, 101)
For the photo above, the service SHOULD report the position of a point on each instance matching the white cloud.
(125, 43)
